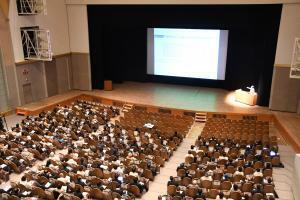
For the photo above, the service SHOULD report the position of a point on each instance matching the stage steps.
(200, 117)
(21, 112)
(127, 107)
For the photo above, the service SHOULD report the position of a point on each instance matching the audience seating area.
(231, 159)
(106, 157)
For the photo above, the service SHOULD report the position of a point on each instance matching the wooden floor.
(182, 97)
(164, 95)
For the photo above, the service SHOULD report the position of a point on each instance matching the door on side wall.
(4, 105)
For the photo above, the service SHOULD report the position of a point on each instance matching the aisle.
(159, 185)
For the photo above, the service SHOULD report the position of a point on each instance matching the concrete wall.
(64, 74)
(79, 45)
(78, 28)
(44, 79)
(285, 92)
(81, 71)
(56, 21)
(32, 82)
(8, 62)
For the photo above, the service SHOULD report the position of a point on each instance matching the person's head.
(23, 178)
(221, 195)
(257, 170)
(258, 186)
(269, 180)
(240, 169)
(192, 146)
(171, 178)
(235, 187)
(55, 194)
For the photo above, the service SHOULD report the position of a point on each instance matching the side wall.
(38, 79)
(55, 20)
(285, 92)
(8, 62)
(79, 44)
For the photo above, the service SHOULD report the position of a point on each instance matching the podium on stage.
(246, 97)
(108, 85)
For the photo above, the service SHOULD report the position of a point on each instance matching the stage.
(187, 98)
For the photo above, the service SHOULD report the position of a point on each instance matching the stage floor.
(180, 97)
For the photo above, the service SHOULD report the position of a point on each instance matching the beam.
(178, 2)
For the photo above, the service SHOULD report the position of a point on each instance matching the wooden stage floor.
(181, 97)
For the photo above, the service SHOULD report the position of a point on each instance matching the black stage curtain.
(118, 42)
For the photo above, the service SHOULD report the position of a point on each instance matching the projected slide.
(195, 53)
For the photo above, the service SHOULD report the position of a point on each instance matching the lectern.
(108, 85)
(246, 97)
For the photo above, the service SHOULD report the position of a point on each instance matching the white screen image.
(194, 53)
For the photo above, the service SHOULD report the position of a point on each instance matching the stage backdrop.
(118, 42)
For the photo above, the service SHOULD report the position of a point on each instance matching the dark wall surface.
(118, 42)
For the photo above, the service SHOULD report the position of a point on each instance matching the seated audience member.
(235, 188)
(206, 177)
(200, 194)
(221, 196)
(172, 181)
(258, 173)
(239, 172)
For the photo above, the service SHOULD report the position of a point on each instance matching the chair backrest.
(189, 159)
(235, 195)
(95, 193)
(186, 181)
(257, 179)
(247, 187)
(171, 190)
(258, 165)
(249, 170)
(206, 184)
(275, 161)
(191, 191)
(135, 190)
(268, 188)
(213, 193)
(226, 185)
(148, 174)
(36, 191)
(257, 196)
(181, 173)
(116, 195)
(238, 177)
(268, 172)
(177, 198)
